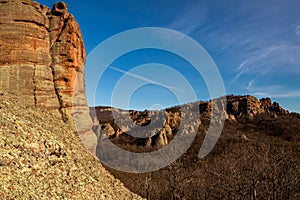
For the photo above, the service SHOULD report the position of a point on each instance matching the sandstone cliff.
(42, 58)
(42, 102)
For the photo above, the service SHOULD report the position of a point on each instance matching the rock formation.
(42, 58)
(238, 108)
(250, 106)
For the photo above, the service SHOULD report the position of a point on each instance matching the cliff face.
(42, 58)
(25, 61)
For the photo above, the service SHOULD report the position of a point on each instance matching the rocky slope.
(42, 59)
(43, 158)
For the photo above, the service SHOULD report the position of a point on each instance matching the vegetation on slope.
(255, 158)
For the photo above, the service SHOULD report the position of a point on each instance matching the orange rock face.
(42, 58)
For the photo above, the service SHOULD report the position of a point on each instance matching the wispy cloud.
(277, 91)
(267, 42)
(297, 31)
(259, 38)
(142, 78)
(189, 19)
(263, 61)
(287, 94)
(272, 72)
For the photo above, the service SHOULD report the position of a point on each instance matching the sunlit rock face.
(42, 58)
(170, 120)
(249, 106)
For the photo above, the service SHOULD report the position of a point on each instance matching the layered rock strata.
(42, 58)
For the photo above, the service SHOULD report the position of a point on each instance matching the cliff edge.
(42, 58)
(43, 107)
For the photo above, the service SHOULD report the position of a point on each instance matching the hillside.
(42, 158)
(256, 157)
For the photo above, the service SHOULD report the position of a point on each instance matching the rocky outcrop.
(249, 106)
(238, 108)
(42, 60)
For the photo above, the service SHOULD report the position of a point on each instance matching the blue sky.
(255, 45)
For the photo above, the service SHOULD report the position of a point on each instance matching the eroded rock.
(42, 58)
(232, 108)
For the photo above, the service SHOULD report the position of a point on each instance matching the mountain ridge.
(256, 156)
(238, 107)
